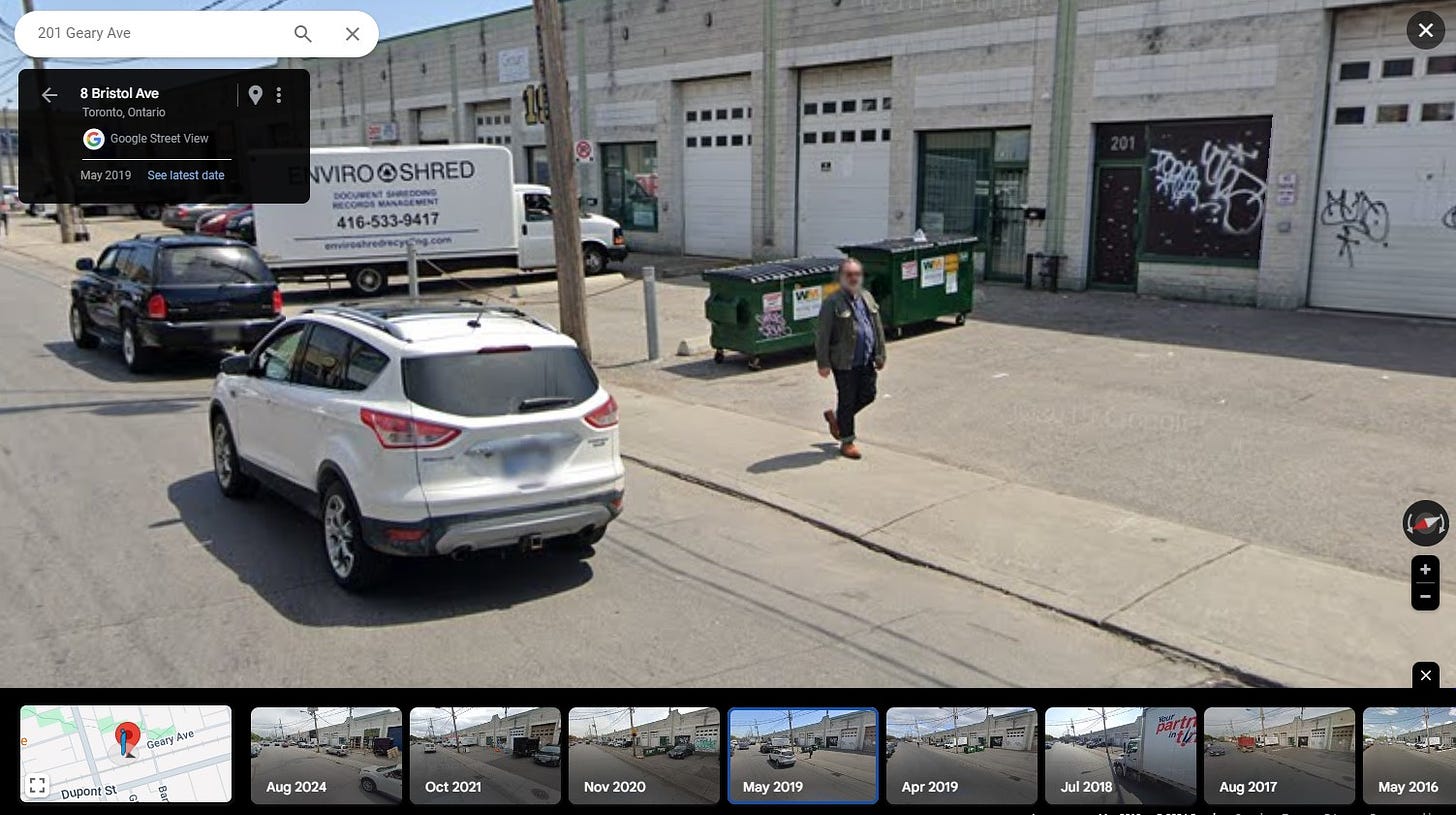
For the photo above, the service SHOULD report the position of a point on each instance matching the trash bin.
(918, 281)
(763, 308)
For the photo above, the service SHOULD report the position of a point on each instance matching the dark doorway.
(1115, 229)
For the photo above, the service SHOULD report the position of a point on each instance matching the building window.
(870, 105)
(629, 184)
(1394, 68)
(847, 106)
(1354, 70)
(722, 141)
(846, 136)
(1392, 114)
(831, 107)
(885, 103)
(828, 137)
(811, 108)
(1438, 111)
(738, 113)
(885, 134)
(692, 115)
(1350, 116)
(867, 135)
(1441, 65)
(538, 166)
(692, 141)
(811, 138)
(738, 140)
(722, 114)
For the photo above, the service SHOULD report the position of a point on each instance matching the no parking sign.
(585, 151)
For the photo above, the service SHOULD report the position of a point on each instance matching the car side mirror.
(237, 365)
(85, 264)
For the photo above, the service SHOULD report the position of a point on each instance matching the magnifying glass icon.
(301, 32)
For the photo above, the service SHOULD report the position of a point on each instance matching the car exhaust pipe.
(532, 543)
(463, 553)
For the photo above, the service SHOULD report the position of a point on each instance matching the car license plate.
(527, 461)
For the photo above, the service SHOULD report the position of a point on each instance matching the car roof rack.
(390, 309)
(360, 316)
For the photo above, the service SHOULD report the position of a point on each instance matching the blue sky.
(394, 17)
(742, 722)
(1224, 721)
(1064, 721)
(904, 721)
(1393, 721)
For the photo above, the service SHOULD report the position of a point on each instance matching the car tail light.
(277, 301)
(399, 432)
(604, 416)
(157, 307)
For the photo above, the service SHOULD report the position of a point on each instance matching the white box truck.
(1165, 749)
(1433, 742)
(458, 204)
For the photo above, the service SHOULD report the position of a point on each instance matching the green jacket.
(835, 335)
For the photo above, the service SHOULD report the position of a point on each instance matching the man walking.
(850, 343)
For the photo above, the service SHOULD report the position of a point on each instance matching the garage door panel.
(844, 157)
(718, 168)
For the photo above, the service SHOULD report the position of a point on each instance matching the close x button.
(1425, 582)
(1426, 676)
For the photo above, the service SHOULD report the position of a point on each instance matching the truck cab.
(602, 239)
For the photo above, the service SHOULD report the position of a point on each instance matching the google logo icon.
(93, 139)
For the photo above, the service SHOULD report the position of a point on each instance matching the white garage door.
(705, 737)
(1386, 222)
(844, 157)
(432, 125)
(1318, 738)
(717, 168)
(1015, 739)
(848, 739)
(493, 123)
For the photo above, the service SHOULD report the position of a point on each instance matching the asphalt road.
(1224, 776)
(595, 776)
(752, 779)
(480, 776)
(1393, 764)
(309, 778)
(1082, 775)
(122, 544)
(917, 774)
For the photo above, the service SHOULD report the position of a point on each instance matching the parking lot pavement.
(1281, 776)
(480, 776)
(1395, 774)
(922, 774)
(828, 776)
(292, 775)
(609, 775)
(1083, 775)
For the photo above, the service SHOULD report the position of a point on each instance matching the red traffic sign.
(585, 150)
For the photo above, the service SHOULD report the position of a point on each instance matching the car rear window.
(500, 382)
(200, 265)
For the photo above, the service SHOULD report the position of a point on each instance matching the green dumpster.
(918, 281)
(763, 308)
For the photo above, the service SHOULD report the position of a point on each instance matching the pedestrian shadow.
(822, 452)
(274, 549)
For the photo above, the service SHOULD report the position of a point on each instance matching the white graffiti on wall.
(1218, 184)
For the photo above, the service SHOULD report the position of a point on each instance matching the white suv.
(419, 429)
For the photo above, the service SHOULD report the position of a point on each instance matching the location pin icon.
(255, 92)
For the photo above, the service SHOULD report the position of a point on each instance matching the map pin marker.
(255, 92)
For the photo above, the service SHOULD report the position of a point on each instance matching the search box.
(196, 34)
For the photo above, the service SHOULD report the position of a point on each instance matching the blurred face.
(851, 277)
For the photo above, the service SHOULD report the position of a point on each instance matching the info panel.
(127, 136)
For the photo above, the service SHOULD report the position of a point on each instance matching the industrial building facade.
(543, 723)
(1276, 153)
(1008, 731)
(855, 731)
(1332, 731)
(700, 728)
(359, 732)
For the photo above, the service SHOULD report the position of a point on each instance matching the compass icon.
(1425, 523)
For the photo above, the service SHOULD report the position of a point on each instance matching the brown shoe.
(833, 423)
(848, 450)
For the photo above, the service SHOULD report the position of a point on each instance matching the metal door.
(1006, 253)
(1115, 226)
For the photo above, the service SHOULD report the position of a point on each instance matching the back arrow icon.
(48, 94)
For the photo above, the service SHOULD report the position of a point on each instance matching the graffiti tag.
(1218, 184)
(1358, 217)
(1449, 219)
(771, 325)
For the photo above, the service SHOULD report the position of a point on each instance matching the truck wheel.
(367, 281)
(149, 212)
(80, 331)
(593, 259)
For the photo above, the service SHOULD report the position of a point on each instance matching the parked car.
(185, 216)
(743, 745)
(255, 750)
(422, 429)
(681, 751)
(338, 750)
(159, 294)
(240, 227)
(430, 747)
(1046, 745)
(765, 747)
(215, 222)
(782, 757)
(889, 749)
(1216, 750)
(549, 755)
(387, 780)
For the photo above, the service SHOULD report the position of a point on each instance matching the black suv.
(154, 294)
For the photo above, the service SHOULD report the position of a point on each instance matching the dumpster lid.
(776, 270)
(905, 244)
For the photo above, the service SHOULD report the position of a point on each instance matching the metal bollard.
(412, 265)
(649, 306)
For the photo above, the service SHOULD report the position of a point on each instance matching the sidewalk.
(1327, 764)
(1265, 615)
(699, 776)
(514, 787)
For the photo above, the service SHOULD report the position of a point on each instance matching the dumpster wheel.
(961, 319)
(718, 356)
(755, 363)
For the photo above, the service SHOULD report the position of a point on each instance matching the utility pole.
(1297, 724)
(1428, 730)
(631, 711)
(565, 209)
(791, 727)
(955, 723)
(1263, 731)
(988, 730)
(454, 728)
(314, 712)
(64, 210)
(349, 730)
